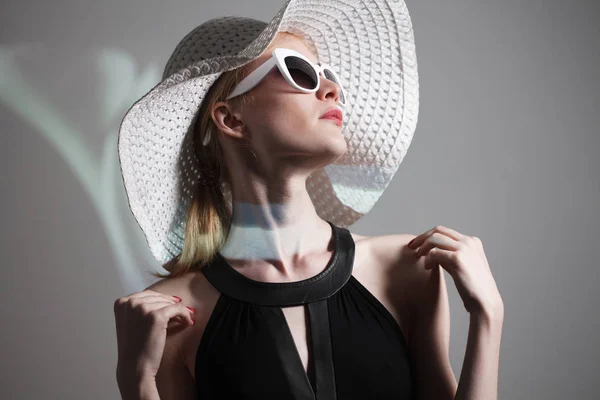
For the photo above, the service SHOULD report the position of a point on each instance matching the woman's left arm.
(464, 259)
(479, 375)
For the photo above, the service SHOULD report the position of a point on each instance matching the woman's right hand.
(142, 320)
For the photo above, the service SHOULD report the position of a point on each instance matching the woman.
(264, 297)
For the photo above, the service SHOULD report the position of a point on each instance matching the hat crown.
(217, 37)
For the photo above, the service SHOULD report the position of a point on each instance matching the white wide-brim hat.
(370, 44)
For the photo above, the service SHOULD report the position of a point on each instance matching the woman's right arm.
(173, 379)
(148, 365)
(137, 389)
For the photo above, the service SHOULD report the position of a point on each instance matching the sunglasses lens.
(305, 75)
(302, 72)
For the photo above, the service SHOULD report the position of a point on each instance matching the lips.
(333, 113)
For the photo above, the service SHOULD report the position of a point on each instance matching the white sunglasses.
(297, 70)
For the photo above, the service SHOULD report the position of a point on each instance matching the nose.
(329, 88)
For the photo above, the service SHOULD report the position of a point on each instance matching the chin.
(343, 147)
(338, 147)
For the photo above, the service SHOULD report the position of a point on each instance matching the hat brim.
(370, 43)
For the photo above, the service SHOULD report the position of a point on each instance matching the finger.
(147, 294)
(151, 306)
(439, 257)
(169, 312)
(437, 240)
(177, 320)
(429, 262)
(175, 312)
(182, 318)
(186, 320)
(136, 302)
(418, 241)
(450, 233)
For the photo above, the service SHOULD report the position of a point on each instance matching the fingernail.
(178, 298)
(411, 242)
(191, 309)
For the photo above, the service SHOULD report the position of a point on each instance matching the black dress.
(356, 347)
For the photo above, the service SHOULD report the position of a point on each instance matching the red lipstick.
(333, 113)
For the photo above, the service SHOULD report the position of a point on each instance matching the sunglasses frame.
(278, 59)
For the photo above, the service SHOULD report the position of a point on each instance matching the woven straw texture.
(369, 43)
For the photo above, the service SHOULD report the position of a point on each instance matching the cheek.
(288, 118)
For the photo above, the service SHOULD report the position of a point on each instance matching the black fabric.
(356, 348)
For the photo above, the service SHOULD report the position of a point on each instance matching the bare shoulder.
(398, 259)
(390, 254)
(397, 262)
(391, 271)
(192, 287)
(196, 292)
(393, 250)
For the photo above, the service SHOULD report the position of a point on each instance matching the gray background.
(505, 149)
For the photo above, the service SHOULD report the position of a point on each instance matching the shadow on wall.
(118, 86)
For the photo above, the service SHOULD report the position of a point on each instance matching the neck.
(279, 235)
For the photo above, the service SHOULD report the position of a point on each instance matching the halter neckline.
(338, 270)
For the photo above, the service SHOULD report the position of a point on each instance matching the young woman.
(241, 167)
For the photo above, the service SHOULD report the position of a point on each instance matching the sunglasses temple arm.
(253, 79)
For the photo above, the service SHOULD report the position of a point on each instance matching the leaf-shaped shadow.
(115, 73)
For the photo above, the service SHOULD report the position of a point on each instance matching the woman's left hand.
(464, 259)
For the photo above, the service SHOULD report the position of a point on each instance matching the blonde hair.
(209, 215)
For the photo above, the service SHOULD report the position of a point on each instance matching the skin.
(271, 148)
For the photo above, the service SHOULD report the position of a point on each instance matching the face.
(283, 125)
